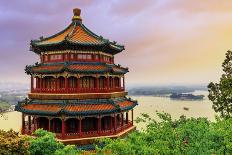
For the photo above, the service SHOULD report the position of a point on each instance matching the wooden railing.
(84, 134)
(76, 90)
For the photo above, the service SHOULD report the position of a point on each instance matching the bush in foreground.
(167, 136)
(46, 144)
(11, 143)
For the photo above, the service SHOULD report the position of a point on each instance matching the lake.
(147, 104)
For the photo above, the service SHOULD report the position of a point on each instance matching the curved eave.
(76, 71)
(104, 44)
(108, 69)
(117, 108)
(104, 47)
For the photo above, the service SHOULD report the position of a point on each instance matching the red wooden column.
(115, 123)
(78, 84)
(99, 124)
(123, 82)
(29, 124)
(23, 123)
(34, 122)
(40, 84)
(132, 116)
(120, 83)
(66, 84)
(36, 83)
(111, 123)
(53, 125)
(80, 132)
(63, 128)
(108, 83)
(122, 123)
(97, 83)
(113, 84)
(127, 117)
(56, 85)
(32, 83)
(49, 124)
(37, 122)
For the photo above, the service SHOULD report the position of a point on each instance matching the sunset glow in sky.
(166, 41)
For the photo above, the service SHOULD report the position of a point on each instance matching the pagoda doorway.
(106, 123)
(56, 125)
(43, 123)
(89, 124)
(71, 125)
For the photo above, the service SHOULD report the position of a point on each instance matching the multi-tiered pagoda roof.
(76, 36)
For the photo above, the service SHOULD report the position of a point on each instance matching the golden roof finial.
(76, 14)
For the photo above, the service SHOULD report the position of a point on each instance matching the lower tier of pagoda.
(76, 119)
(66, 128)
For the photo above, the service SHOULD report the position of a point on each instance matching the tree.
(221, 93)
(46, 144)
(167, 136)
(11, 143)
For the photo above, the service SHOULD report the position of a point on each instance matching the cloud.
(166, 41)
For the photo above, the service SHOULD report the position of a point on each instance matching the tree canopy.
(46, 144)
(221, 93)
(11, 143)
(182, 136)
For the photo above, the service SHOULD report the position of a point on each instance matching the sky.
(166, 41)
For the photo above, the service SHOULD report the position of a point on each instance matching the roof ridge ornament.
(76, 15)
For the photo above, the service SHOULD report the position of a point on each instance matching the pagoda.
(77, 92)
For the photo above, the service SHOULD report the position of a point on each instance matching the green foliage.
(46, 144)
(183, 136)
(221, 93)
(12, 144)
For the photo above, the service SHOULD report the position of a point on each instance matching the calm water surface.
(147, 104)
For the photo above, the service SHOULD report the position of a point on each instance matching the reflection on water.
(147, 104)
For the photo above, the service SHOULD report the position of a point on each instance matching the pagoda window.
(71, 125)
(49, 82)
(111, 82)
(106, 58)
(66, 56)
(72, 82)
(87, 82)
(89, 124)
(72, 56)
(79, 56)
(102, 82)
(38, 83)
(56, 124)
(89, 57)
(96, 57)
(45, 58)
(61, 82)
(117, 83)
(55, 57)
(84, 56)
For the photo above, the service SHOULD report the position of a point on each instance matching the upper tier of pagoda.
(75, 37)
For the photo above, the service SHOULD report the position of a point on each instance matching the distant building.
(77, 92)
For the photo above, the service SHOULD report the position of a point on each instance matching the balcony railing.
(76, 90)
(84, 134)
